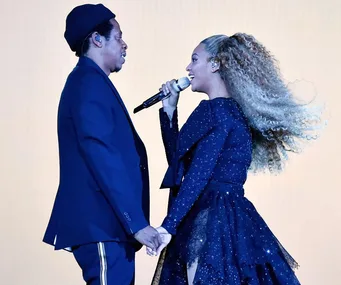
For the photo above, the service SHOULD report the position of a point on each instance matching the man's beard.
(116, 69)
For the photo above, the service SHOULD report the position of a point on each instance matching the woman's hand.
(172, 100)
(165, 239)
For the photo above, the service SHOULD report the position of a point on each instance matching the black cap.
(82, 20)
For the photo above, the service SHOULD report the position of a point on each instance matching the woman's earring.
(214, 64)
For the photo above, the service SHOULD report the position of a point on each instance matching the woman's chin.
(194, 89)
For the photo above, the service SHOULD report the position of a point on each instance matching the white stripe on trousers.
(103, 263)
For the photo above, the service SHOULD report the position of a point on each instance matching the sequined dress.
(211, 220)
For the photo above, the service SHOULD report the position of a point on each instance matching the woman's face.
(200, 69)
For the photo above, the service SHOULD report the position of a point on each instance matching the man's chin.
(116, 69)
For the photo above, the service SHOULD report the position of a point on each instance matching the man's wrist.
(141, 227)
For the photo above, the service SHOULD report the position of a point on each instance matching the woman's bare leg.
(191, 272)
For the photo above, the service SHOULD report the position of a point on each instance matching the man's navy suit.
(103, 193)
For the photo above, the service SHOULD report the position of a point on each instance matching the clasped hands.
(155, 240)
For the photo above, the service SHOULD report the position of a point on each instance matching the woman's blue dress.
(211, 220)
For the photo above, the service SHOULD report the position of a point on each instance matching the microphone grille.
(182, 83)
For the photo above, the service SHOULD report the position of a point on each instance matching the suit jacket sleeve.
(203, 163)
(94, 123)
(169, 134)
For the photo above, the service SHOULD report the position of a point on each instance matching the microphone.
(178, 85)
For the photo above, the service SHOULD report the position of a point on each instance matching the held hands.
(149, 237)
(165, 239)
(172, 100)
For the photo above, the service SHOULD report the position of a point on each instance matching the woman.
(249, 122)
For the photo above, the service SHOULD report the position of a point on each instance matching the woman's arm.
(169, 132)
(200, 171)
(169, 120)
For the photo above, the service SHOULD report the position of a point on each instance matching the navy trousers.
(106, 263)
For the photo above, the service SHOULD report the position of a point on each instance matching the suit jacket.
(103, 193)
(213, 146)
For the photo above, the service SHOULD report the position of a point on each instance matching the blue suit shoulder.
(85, 75)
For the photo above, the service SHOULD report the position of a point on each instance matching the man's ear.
(96, 39)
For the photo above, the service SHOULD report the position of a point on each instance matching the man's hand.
(165, 240)
(149, 237)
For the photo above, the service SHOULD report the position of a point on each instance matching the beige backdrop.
(301, 205)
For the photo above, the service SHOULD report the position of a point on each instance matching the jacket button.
(127, 216)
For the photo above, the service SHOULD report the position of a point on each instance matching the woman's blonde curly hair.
(278, 122)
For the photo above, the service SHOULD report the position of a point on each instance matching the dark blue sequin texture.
(210, 219)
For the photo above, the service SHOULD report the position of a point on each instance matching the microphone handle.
(151, 101)
(155, 99)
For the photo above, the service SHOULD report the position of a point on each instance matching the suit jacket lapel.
(89, 62)
(119, 99)
(123, 106)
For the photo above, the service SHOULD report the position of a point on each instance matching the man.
(101, 210)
